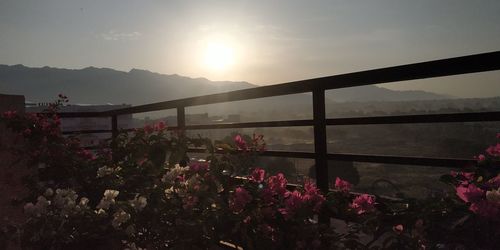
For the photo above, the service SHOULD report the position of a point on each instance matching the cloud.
(114, 35)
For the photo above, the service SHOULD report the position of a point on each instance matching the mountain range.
(103, 85)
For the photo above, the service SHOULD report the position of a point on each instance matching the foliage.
(141, 190)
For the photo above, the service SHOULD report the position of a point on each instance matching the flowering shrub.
(477, 189)
(480, 188)
(146, 193)
(141, 190)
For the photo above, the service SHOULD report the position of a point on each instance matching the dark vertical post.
(114, 134)
(114, 126)
(181, 118)
(181, 125)
(320, 139)
(320, 147)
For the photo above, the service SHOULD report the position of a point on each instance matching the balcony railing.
(438, 68)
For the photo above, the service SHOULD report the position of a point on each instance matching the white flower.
(132, 246)
(493, 196)
(103, 171)
(41, 205)
(84, 201)
(49, 192)
(29, 208)
(83, 204)
(65, 198)
(169, 192)
(139, 202)
(37, 209)
(100, 212)
(111, 194)
(120, 217)
(171, 175)
(108, 199)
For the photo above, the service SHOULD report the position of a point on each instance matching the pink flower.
(363, 203)
(160, 126)
(398, 228)
(142, 161)
(470, 193)
(258, 175)
(181, 178)
(292, 203)
(259, 143)
(267, 196)
(481, 158)
(240, 199)
(27, 132)
(198, 166)
(486, 209)
(342, 185)
(468, 175)
(247, 220)
(465, 177)
(57, 120)
(87, 154)
(277, 184)
(148, 129)
(240, 142)
(494, 150)
(9, 114)
(494, 182)
(312, 196)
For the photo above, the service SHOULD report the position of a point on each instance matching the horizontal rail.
(388, 159)
(87, 131)
(404, 160)
(289, 154)
(272, 124)
(430, 118)
(438, 68)
(82, 114)
(396, 119)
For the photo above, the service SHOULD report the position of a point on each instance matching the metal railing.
(438, 68)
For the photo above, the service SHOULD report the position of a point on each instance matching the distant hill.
(102, 85)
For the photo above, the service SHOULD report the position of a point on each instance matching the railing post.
(181, 118)
(320, 147)
(114, 134)
(181, 126)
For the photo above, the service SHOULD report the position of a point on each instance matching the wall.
(11, 173)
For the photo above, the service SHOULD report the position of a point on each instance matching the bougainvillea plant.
(142, 190)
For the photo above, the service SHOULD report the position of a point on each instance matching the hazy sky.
(268, 41)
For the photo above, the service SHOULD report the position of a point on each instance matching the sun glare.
(218, 56)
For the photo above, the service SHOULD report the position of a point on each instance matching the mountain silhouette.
(103, 85)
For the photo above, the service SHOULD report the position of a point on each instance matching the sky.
(262, 42)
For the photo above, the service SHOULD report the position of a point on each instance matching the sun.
(218, 56)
